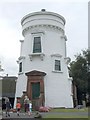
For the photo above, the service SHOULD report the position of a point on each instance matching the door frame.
(34, 77)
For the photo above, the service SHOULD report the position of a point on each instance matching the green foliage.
(78, 70)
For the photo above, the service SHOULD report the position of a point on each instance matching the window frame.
(37, 34)
(20, 67)
(36, 44)
(20, 60)
(58, 57)
(57, 65)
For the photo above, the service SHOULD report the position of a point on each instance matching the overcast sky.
(75, 12)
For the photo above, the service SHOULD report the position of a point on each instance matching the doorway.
(35, 88)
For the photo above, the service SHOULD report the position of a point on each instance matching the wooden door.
(35, 90)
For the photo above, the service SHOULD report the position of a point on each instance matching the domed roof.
(43, 12)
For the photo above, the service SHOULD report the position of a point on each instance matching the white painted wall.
(56, 84)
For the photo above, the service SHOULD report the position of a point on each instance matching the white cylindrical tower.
(43, 70)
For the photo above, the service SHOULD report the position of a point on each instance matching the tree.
(78, 70)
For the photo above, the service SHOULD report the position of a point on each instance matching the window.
(37, 45)
(57, 65)
(20, 67)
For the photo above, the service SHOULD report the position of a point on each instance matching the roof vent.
(43, 10)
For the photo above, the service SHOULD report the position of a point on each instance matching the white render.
(50, 27)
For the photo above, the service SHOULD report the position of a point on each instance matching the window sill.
(36, 54)
(21, 57)
(57, 71)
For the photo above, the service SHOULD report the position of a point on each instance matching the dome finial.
(43, 10)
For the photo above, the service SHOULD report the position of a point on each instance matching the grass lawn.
(70, 110)
(67, 113)
(66, 116)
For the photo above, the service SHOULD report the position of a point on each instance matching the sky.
(75, 13)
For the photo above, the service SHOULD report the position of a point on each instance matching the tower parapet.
(44, 19)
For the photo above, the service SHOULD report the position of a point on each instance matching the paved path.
(23, 115)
